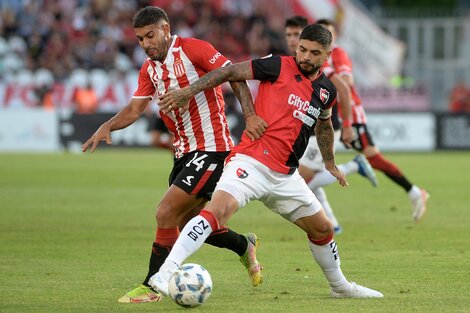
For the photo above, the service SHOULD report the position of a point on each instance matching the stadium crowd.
(59, 36)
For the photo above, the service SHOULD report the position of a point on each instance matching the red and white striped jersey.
(204, 126)
(342, 65)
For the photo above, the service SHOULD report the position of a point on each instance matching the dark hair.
(326, 22)
(318, 33)
(149, 16)
(296, 21)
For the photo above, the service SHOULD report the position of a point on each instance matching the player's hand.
(175, 99)
(102, 134)
(336, 172)
(255, 126)
(347, 136)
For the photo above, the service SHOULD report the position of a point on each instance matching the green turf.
(76, 232)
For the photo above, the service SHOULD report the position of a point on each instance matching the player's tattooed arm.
(243, 94)
(255, 125)
(325, 138)
(179, 98)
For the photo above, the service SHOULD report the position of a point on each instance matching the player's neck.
(314, 76)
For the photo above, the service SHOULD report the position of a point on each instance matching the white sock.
(190, 240)
(415, 192)
(324, 177)
(349, 168)
(323, 199)
(321, 179)
(327, 257)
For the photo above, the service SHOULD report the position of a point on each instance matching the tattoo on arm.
(325, 138)
(234, 72)
(243, 94)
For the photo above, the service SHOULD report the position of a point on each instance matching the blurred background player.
(161, 137)
(200, 147)
(363, 142)
(312, 162)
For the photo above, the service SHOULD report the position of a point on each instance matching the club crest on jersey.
(324, 95)
(178, 68)
(241, 173)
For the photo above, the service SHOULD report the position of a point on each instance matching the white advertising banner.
(28, 130)
(402, 131)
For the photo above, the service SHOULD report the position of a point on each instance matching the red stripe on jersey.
(217, 115)
(180, 134)
(202, 182)
(193, 111)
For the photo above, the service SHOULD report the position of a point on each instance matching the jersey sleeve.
(341, 62)
(203, 55)
(328, 96)
(266, 69)
(145, 88)
(327, 69)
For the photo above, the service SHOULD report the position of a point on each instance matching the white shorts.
(247, 179)
(312, 158)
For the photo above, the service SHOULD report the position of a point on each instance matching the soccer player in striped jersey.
(294, 97)
(201, 138)
(363, 141)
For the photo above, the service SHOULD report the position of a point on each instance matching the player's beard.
(311, 70)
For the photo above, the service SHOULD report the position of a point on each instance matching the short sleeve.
(266, 69)
(145, 88)
(341, 62)
(203, 55)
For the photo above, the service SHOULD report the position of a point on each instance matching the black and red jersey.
(291, 104)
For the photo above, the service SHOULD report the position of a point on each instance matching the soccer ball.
(190, 285)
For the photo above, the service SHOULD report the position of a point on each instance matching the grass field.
(76, 232)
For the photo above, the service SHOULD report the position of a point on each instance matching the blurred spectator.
(86, 100)
(62, 35)
(459, 98)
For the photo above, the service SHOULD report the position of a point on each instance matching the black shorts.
(362, 137)
(198, 172)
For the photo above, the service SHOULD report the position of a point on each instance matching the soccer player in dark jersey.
(294, 98)
(202, 139)
(311, 162)
(363, 142)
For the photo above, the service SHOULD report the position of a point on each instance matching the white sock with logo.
(191, 238)
(327, 257)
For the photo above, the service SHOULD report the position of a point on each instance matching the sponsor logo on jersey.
(304, 118)
(305, 112)
(324, 95)
(215, 57)
(178, 68)
(241, 173)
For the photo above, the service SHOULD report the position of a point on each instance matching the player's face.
(310, 56)
(292, 34)
(154, 40)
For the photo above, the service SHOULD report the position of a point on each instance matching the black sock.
(227, 238)
(401, 180)
(157, 257)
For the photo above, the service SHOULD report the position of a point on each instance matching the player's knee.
(322, 229)
(165, 214)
